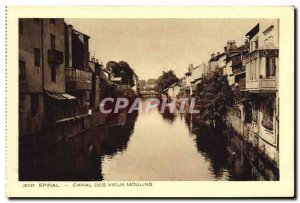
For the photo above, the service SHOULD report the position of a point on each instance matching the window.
(20, 27)
(52, 21)
(53, 73)
(52, 38)
(34, 104)
(21, 70)
(270, 67)
(254, 45)
(268, 115)
(37, 57)
(253, 70)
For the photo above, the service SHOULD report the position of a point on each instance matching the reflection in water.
(148, 146)
(118, 135)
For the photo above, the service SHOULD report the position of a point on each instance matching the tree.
(213, 97)
(165, 80)
(123, 70)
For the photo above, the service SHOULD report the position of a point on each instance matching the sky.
(151, 46)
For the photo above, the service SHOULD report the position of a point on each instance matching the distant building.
(173, 91)
(151, 83)
(142, 84)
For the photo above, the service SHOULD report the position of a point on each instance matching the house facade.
(262, 66)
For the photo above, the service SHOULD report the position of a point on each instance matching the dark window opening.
(52, 38)
(53, 73)
(21, 70)
(52, 21)
(268, 115)
(37, 56)
(34, 104)
(270, 67)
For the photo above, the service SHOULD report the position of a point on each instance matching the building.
(262, 67)
(31, 97)
(95, 68)
(235, 63)
(142, 84)
(43, 101)
(79, 76)
(173, 91)
(197, 73)
(217, 61)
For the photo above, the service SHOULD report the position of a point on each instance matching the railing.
(262, 84)
(55, 56)
(238, 70)
(78, 79)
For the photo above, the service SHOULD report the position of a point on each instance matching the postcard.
(149, 102)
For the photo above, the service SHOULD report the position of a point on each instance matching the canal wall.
(236, 120)
(64, 130)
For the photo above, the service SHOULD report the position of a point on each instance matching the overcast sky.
(153, 45)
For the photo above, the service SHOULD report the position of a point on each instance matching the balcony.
(262, 85)
(55, 56)
(238, 70)
(78, 79)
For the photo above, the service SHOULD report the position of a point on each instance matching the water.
(149, 147)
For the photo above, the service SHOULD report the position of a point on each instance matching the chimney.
(190, 67)
(246, 41)
(218, 53)
(231, 45)
(93, 58)
(225, 49)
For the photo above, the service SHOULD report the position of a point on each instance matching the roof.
(253, 31)
(78, 32)
(217, 57)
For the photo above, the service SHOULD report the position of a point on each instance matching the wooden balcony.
(262, 85)
(238, 70)
(55, 56)
(78, 79)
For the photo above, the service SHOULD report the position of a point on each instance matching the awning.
(68, 96)
(56, 96)
(61, 96)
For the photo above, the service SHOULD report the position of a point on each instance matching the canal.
(149, 147)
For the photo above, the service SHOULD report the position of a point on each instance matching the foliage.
(268, 111)
(123, 70)
(245, 99)
(165, 80)
(213, 97)
(125, 92)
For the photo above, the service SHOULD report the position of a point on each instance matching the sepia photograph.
(141, 102)
(148, 99)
